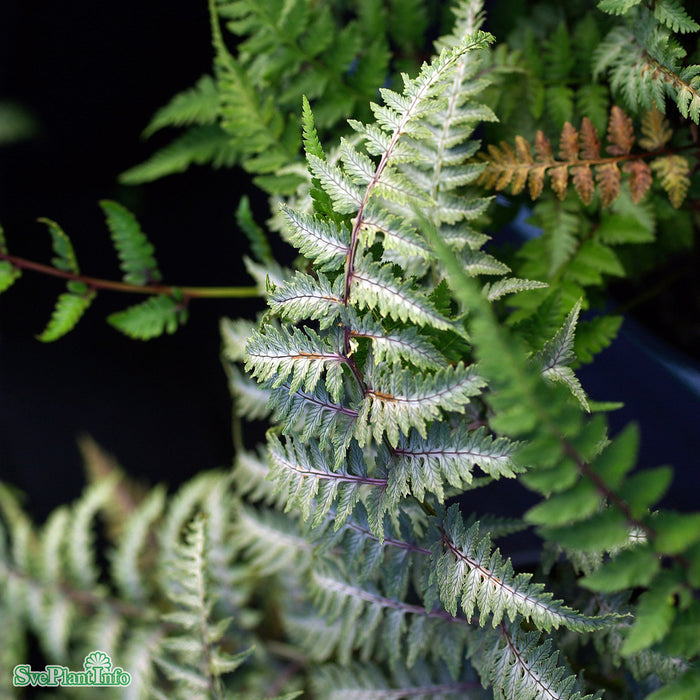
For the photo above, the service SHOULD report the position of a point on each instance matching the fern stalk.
(150, 289)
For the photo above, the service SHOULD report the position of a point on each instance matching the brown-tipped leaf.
(568, 143)
(560, 179)
(607, 177)
(536, 181)
(583, 182)
(590, 143)
(620, 133)
(640, 178)
(543, 148)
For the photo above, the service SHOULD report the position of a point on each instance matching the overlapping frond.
(302, 356)
(517, 665)
(367, 617)
(54, 581)
(644, 61)
(400, 400)
(362, 431)
(366, 681)
(470, 575)
(448, 455)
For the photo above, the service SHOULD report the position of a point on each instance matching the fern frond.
(400, 345)
(561, 227)
(151, 318)
(510, 285)
(674, 171)
(580, 159)
(126, 565)
(81, 550)
(249, 476)
(250, 399)
(517, 665)
(397, 236)
(367, 616)
(254, 124)
(271, 542)
(326, 244)
(197, 105)
(259, 245)
(399, 400)
(315, 414)
(195, 661)
(374, 286)
(345, 195)
(367, 682)
(198, 145)
(69, 309)
(617, 7)
(276, 354)
(472, 576)
(305, 297)
(9, 274)
(62, 247)
(446, 455)
(136, 254)
(303, 473)
(558, 353)
(672, 14)
(235, 334)
(644, 61)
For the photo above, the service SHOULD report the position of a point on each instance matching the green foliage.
(650, 65)
(570, 69)
(247, 113)
(65, 255)
(69, 309)
(401, 365)
(72, 304)
(134, 250)
(163, 312)
(372, 416)
(163, 606)
(151, 318)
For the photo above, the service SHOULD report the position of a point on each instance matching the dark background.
(92, 75)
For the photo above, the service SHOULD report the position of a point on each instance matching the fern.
(134, 250)
(404, 369)
(208, 143)
(72, 304)
(581, 461)
(165, 310)
(393, 417)
(198, 105)
(238, 117)
(580, 159)
(150, 318)
(200, 674)
(65, 255)
(518, 666)
(167, 617)
(644, 60)
(365, 682)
